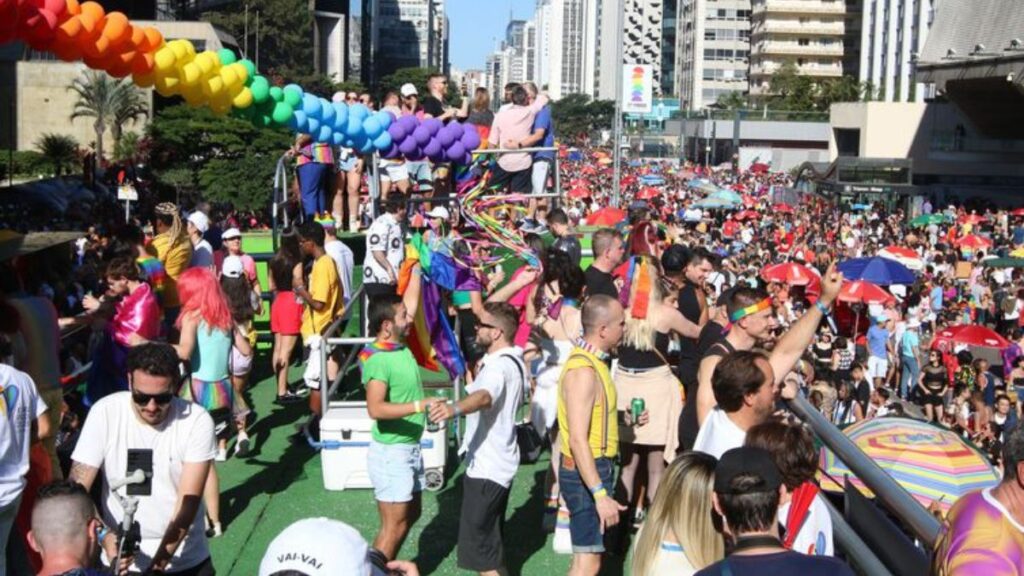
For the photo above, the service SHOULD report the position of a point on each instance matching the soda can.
(637, 407)
(431, 425)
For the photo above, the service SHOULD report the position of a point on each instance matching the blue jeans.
(311, 186)
(909, 374)
(584, 523)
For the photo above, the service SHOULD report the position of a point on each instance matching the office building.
(808, 33)
(402, 34)
(712, 50)
(542, 18)
(331, 51)
(641, 42)
(893, 34)
(668, 48)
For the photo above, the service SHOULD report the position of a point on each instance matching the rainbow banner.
(637, 89)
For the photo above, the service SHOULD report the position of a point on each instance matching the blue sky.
(476, 24)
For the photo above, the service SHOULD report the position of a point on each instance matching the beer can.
(637, 407)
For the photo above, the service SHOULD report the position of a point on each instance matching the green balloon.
(283, 112)
(277, 94)
(251, 68)
(226, 56)
(260, 89)
(292, 96)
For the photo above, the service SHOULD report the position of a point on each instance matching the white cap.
(200, 221)
(438, 212)
(231, 233)
(409, 89)
(232, 267)
(315, 547)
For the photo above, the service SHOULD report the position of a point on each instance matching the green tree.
(285, 30)
(790, 90)
(222, 158)
(734, 100)
(61, 150)
(110, 102)
(576, 114)
(418, 78)
(127, 147)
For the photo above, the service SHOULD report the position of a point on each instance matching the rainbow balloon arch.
(220, 81)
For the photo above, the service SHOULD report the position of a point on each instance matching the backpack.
(1008, 304)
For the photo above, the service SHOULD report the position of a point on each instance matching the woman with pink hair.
(207, 335)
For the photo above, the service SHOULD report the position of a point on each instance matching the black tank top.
(688, 426)
(934, 379)
(633, 359)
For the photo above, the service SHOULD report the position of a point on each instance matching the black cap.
(675, 258)
(747, 461)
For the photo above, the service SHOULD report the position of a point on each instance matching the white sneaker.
(222, 455)
(242, 446)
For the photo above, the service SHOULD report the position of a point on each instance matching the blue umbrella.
(727, 195)
(652, 180)
(877, 270)
(714, 203)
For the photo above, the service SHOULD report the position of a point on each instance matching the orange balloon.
(143, 80)
(74, 7)
(93, 10)
(142, 63)
(154, 39)
(117, 29)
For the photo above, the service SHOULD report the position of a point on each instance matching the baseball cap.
(200, 221)
(317, 547)
(438, 212)
(231, 233)
(409, 90)
(746, 461)
(232, 267)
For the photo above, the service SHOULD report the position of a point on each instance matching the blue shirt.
(937, 299)
(542, 121)
(1018, 235)
(911, 341)
(878, 337)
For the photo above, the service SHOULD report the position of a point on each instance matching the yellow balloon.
(241, 71)
(144, 80)
(164, 59)
(205, 61)
(190, 74)
(190, 50)
(230, 76)
(180, 48)
(243, 99)
(213, 87)
(167, 85)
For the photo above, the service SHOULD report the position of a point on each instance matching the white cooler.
(345, 435)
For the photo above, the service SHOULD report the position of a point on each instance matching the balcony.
(803, 29)
(794, 49)
(795, 7)
(817, 70)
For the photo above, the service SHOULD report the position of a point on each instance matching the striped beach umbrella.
(934, 464)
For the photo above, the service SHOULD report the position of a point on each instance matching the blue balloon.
(298, 122)
(422, 135)
(354, 127)
(326, 112)
(385, 118)
(311, 105)
(359, 110)
(313, 125)
(340, 115)
(372, 127)
(383, 141)
(358, 142)
(325, 135)
(338, 137)
(367, 147)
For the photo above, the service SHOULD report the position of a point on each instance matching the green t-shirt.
(399, 371)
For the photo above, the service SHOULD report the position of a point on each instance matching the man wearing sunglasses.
(149, 428)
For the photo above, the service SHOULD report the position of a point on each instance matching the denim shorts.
(584, 523)
(396, 471)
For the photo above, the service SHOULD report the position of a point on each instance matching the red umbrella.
(579, 193)
(783, 208)
(972, 219)
(789, 273)
(974, 242)
(648, 193)
(971, 335)
(747, 215)
(1017, 212)
(606, 217)
(864, 292)
(759, 168)
(749, 200)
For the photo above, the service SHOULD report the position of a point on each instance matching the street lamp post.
(617, 131)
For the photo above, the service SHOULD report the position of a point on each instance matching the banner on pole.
(638, 88)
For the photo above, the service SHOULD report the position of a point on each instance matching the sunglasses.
(143, 399)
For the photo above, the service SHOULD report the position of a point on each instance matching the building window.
(804, 42)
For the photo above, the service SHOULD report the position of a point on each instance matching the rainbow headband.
(742, 313)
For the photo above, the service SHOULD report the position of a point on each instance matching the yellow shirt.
(175, 258)
(603, 411)
(324, 286)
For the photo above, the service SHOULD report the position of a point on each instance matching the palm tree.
(60, 149)
(110, 102)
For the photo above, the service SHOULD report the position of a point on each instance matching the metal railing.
(280, 199)
(331, 340)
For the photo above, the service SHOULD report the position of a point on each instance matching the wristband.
(417, 407)
(598, 491)
(821, 308)
(457, 409)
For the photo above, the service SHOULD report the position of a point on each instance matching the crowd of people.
(658, 373)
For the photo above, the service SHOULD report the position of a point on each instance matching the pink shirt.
(515, 124)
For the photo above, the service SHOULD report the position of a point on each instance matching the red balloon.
(143, 63)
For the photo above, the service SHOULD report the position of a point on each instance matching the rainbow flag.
(375, 347)
(431, 338)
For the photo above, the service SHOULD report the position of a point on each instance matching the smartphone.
(140, 459)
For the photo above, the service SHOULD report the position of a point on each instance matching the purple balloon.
(392, 152)
(446, 136)
(421, 135)
(456, 129)
(471, 140)
(416, 155)
(433, 124)
(408, 122)
(408, 147)
(433, 149)
(398, 132)
(456, 150)
(467, 159)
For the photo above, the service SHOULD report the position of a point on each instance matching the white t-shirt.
(202, 255)
(20, 406)
(671, 559)
(345, 262)
(718, 434)
(111, 429)
(815, 536)
(384, 235)
(490, 441)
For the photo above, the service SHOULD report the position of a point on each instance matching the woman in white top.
(679, 536)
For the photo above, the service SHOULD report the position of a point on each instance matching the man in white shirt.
(149, 428)
(202, 252)
(343, 258)
(385, 249)
(22, 422)
(492, 455)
